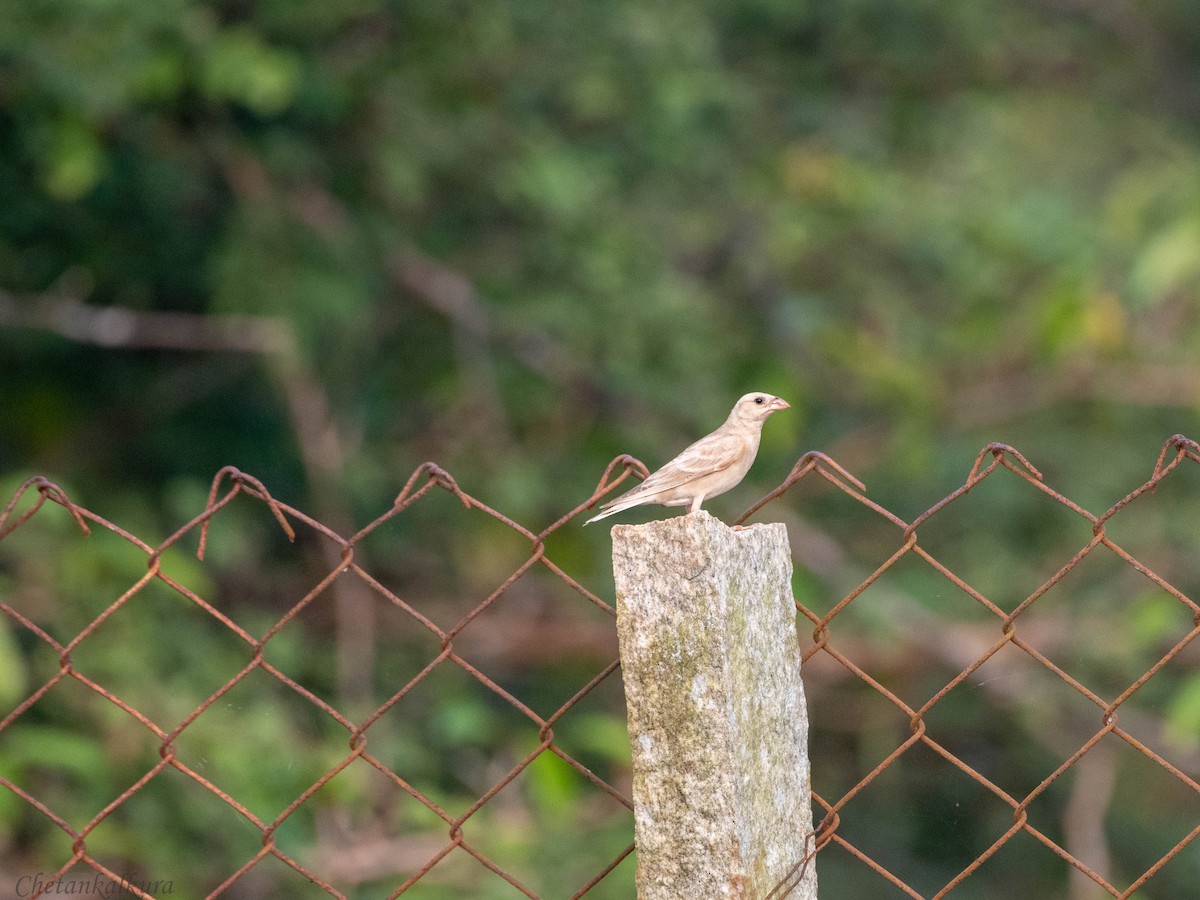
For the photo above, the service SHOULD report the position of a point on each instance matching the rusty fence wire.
(835, 653)
(1009, 634)
(228, 485)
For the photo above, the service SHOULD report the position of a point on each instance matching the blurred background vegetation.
(326, 242)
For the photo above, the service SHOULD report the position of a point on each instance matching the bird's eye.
(759, 399)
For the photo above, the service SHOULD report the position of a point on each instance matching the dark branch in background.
(1084, 817)
(423, 278)
(453, 295)
(316, 429)
(62, 313)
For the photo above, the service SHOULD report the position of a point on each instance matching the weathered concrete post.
(717, 717)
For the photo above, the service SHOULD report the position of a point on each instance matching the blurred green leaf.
(52, 748)
(553, 785)
(1183, 714)
(240, 67)
(13, 676)
(73, 160)
(1169, 262)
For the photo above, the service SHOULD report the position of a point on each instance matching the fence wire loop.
(47, 490)
(250, 484)
(628, 465)
(999, 452)
(822, 462)
(1184, 448)
(812, 461)
(434, 474)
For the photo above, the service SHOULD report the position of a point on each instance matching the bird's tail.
(616, 506)
(603, 515)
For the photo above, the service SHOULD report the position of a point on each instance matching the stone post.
(717, 718)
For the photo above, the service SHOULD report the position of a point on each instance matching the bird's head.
(754, 408)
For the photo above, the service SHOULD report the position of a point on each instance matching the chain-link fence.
(881, 701)
(1008, 635)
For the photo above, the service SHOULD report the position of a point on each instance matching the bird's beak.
(777, 403)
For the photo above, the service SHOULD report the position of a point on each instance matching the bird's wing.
(710, 454)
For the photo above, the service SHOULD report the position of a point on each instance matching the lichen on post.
(717, 718)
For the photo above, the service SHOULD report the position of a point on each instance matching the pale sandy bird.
(711, 466)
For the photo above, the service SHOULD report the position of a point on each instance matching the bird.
(711, 466)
